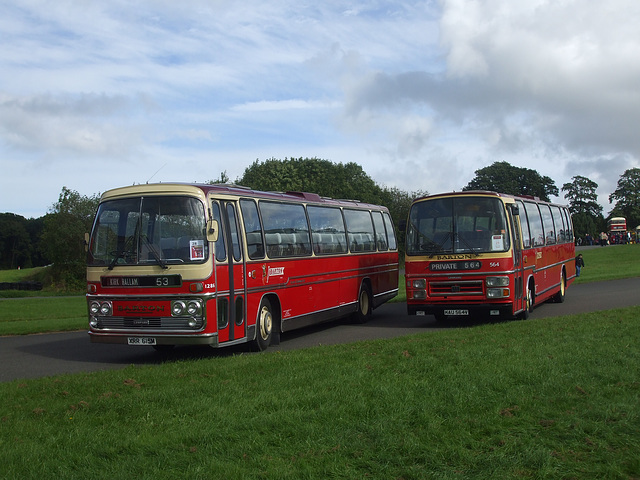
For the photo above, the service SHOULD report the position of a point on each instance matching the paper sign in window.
(497, 243)
(196, 249)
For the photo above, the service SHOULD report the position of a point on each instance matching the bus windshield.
(457, 225)
(157, 230)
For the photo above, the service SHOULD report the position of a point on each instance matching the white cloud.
(99, 94)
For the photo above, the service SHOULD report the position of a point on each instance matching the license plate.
(141, 340)
(456, 313)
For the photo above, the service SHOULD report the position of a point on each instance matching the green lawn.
(610, 263)
(20, 275)
(552, 398)
(19, 316)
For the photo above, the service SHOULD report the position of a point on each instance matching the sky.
(100, 94)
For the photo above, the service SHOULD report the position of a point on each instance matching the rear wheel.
(559, 297)
(264, 326)
(365, 307)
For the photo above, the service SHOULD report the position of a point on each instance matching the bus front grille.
(456, 288)
(148, 323)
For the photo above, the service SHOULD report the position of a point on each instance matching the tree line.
(58, 237)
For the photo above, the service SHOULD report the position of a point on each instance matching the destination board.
(452, 266)
(143, 281)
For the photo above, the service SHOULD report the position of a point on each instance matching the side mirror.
(86, 242)
(515, 209)
(402, 225)
(213, 230)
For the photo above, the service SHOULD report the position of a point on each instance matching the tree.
(323, 177)
(15, 243)
(505, 178)
(583, 205)
(20, 242)
(582, 196)
(224, 178)
(627, 196)
(63, 235)
(35, 227)
(327, 179)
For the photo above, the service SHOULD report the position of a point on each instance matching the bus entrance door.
(231, 307)
(520, 299)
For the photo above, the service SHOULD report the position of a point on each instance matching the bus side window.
(524, 223)
(381, 235)
(391, 234)
(286, 229)
(252, 229)
(327, 227)
(569, 231)
(559, 222)
(360, 230)
(547, 222)
(220, 251)
(235, 235)
(535, 224)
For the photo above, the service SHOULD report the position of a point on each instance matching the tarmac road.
(34, 356)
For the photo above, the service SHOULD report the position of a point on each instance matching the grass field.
(550, 398)
(553, 398)
(610, 263)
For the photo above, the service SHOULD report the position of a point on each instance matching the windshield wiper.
(154, 252)
(426, 244)
(439, 247)
(118, 254)
(467, 244)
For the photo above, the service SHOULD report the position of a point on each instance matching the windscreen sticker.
(497, 242)
(196, 249)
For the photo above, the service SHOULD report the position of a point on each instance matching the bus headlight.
(177, 308)
(498, 293)
(106, 309)
(194, 308)
(94, 308)
(420, 283)
(497, 281)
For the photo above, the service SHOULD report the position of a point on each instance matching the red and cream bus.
(617, 230)
(220, 265)
(485, 253)
(617, 225)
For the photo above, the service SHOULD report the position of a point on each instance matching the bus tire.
(364, 306)
(528, 308)
(264, 326)
(559, 297)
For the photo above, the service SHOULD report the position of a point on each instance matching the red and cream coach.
(219, 265)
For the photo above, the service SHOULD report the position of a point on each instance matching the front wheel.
(528, 306)
(264, 326)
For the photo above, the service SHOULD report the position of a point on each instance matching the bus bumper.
(463, 310)
(153, 339)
